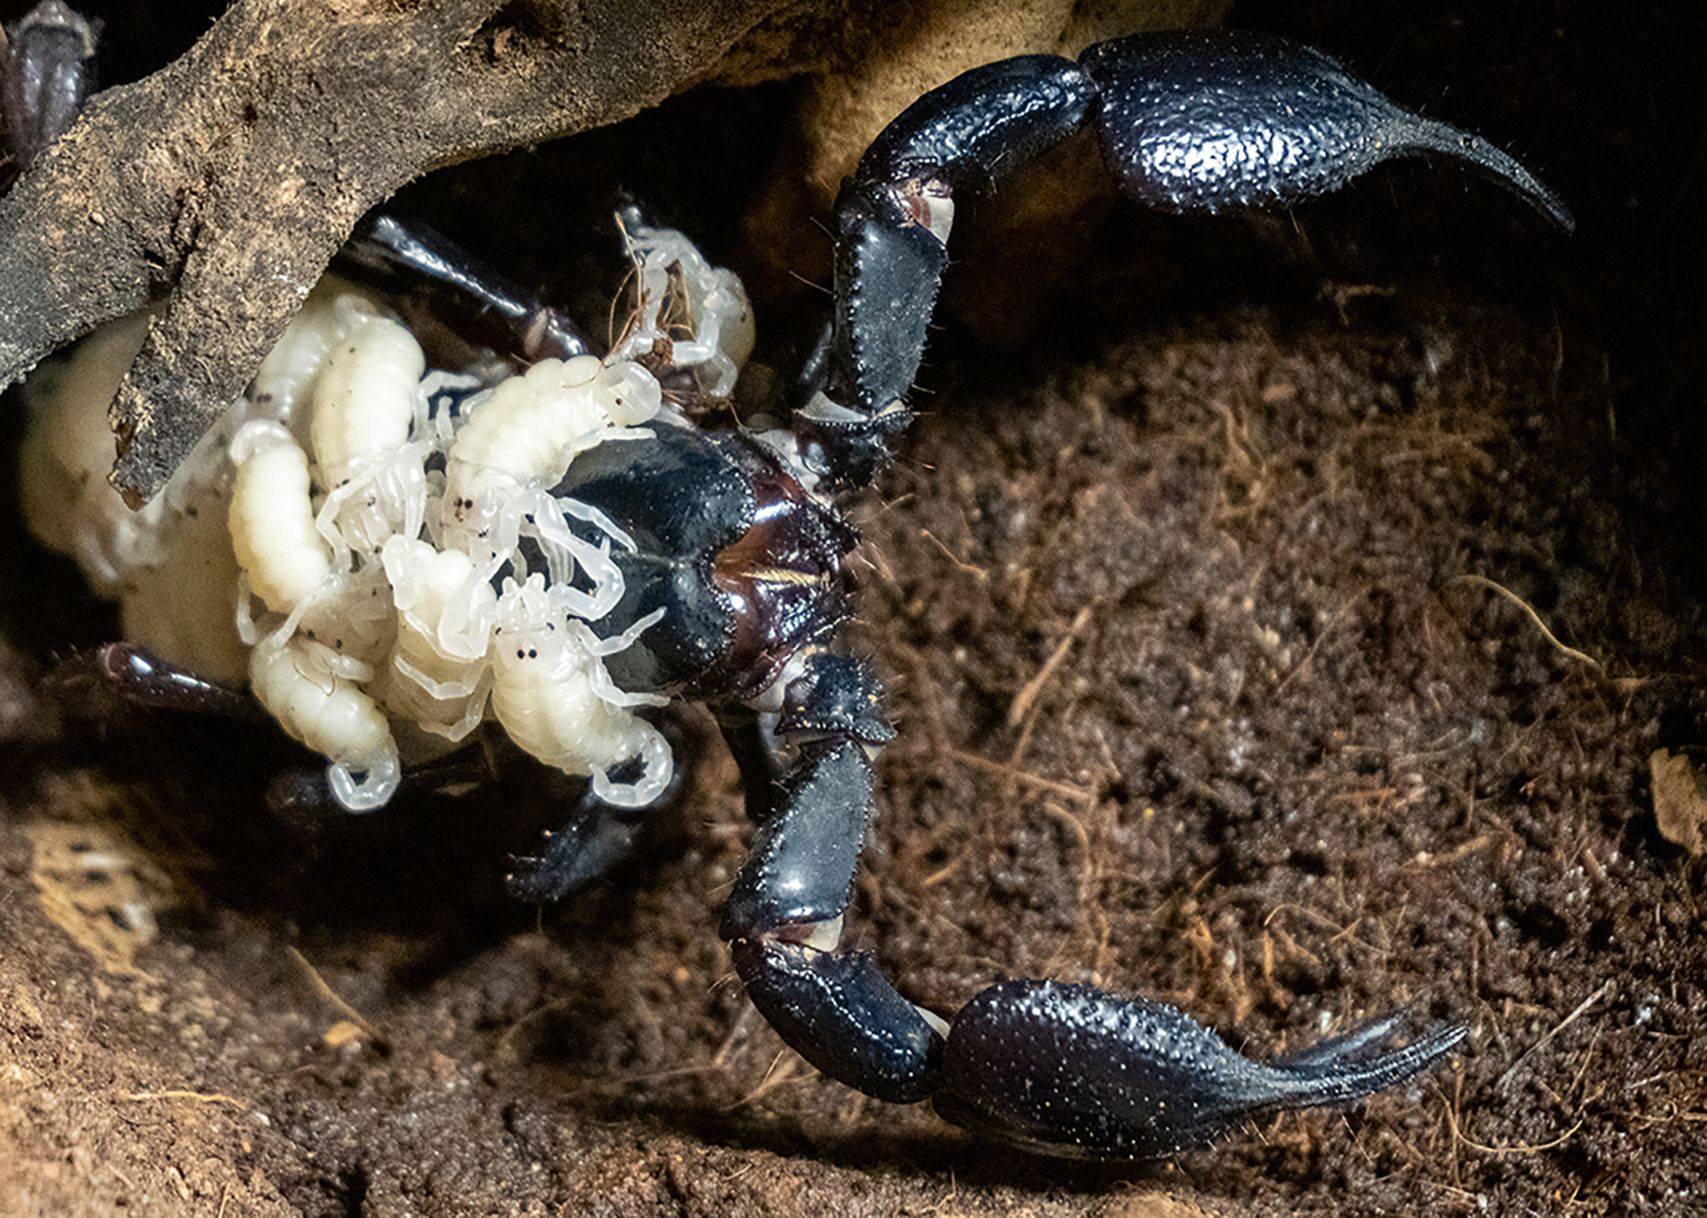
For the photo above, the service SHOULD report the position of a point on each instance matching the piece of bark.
(1680, 806)
(226, 181)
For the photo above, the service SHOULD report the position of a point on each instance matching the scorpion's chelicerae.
(390, 559)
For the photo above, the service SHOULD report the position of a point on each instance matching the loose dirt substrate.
(1276, 759)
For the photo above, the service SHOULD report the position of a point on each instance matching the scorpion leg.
(1189, 121)
(593, 840)
(751, 737)
(45, 79)
(444, 280)
(115, 675)
(1061, 1069)
(127, 675)
(137, 677)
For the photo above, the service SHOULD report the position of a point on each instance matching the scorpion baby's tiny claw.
(1071, 1070)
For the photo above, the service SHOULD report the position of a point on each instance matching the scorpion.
(386, 558)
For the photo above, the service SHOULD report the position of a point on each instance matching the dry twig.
(1504, 1080)
(332, 996)
(1482, 581)
(200, 1097)
(1018, 708)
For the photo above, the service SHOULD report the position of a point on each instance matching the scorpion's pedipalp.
(1060, 1069)
(1205, 120)
(801, 869)
(841, 1014)
(1425, 135)
(892, 223)
(1367, 1035)
(984, 123)
(784, 916)
(1189, 121)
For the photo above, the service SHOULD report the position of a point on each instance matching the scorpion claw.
(1370, 1034)
(1189, 121)
(1199, 121)
(1068, 1069)
(1057, 1069)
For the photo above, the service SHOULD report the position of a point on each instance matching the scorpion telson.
(545, 540)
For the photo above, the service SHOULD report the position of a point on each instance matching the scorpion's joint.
(835, 696)
(927, 201)
(841, 1014)
(845, 446)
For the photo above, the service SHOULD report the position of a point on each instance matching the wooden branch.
(226, 181)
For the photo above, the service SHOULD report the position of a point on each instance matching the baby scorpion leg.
(1061, 1069)
(1189, 121)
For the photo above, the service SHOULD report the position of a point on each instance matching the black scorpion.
(742, 549)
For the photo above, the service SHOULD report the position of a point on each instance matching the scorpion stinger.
(1189, 121)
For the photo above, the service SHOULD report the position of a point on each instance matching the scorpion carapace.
(546, 541)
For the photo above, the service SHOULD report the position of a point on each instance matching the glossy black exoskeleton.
(737, 541)
(45, 76)
(1188, 121)
(744, 562)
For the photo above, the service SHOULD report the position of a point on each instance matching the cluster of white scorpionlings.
(336, 541)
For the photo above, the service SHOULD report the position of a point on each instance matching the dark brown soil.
(1284, 632)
